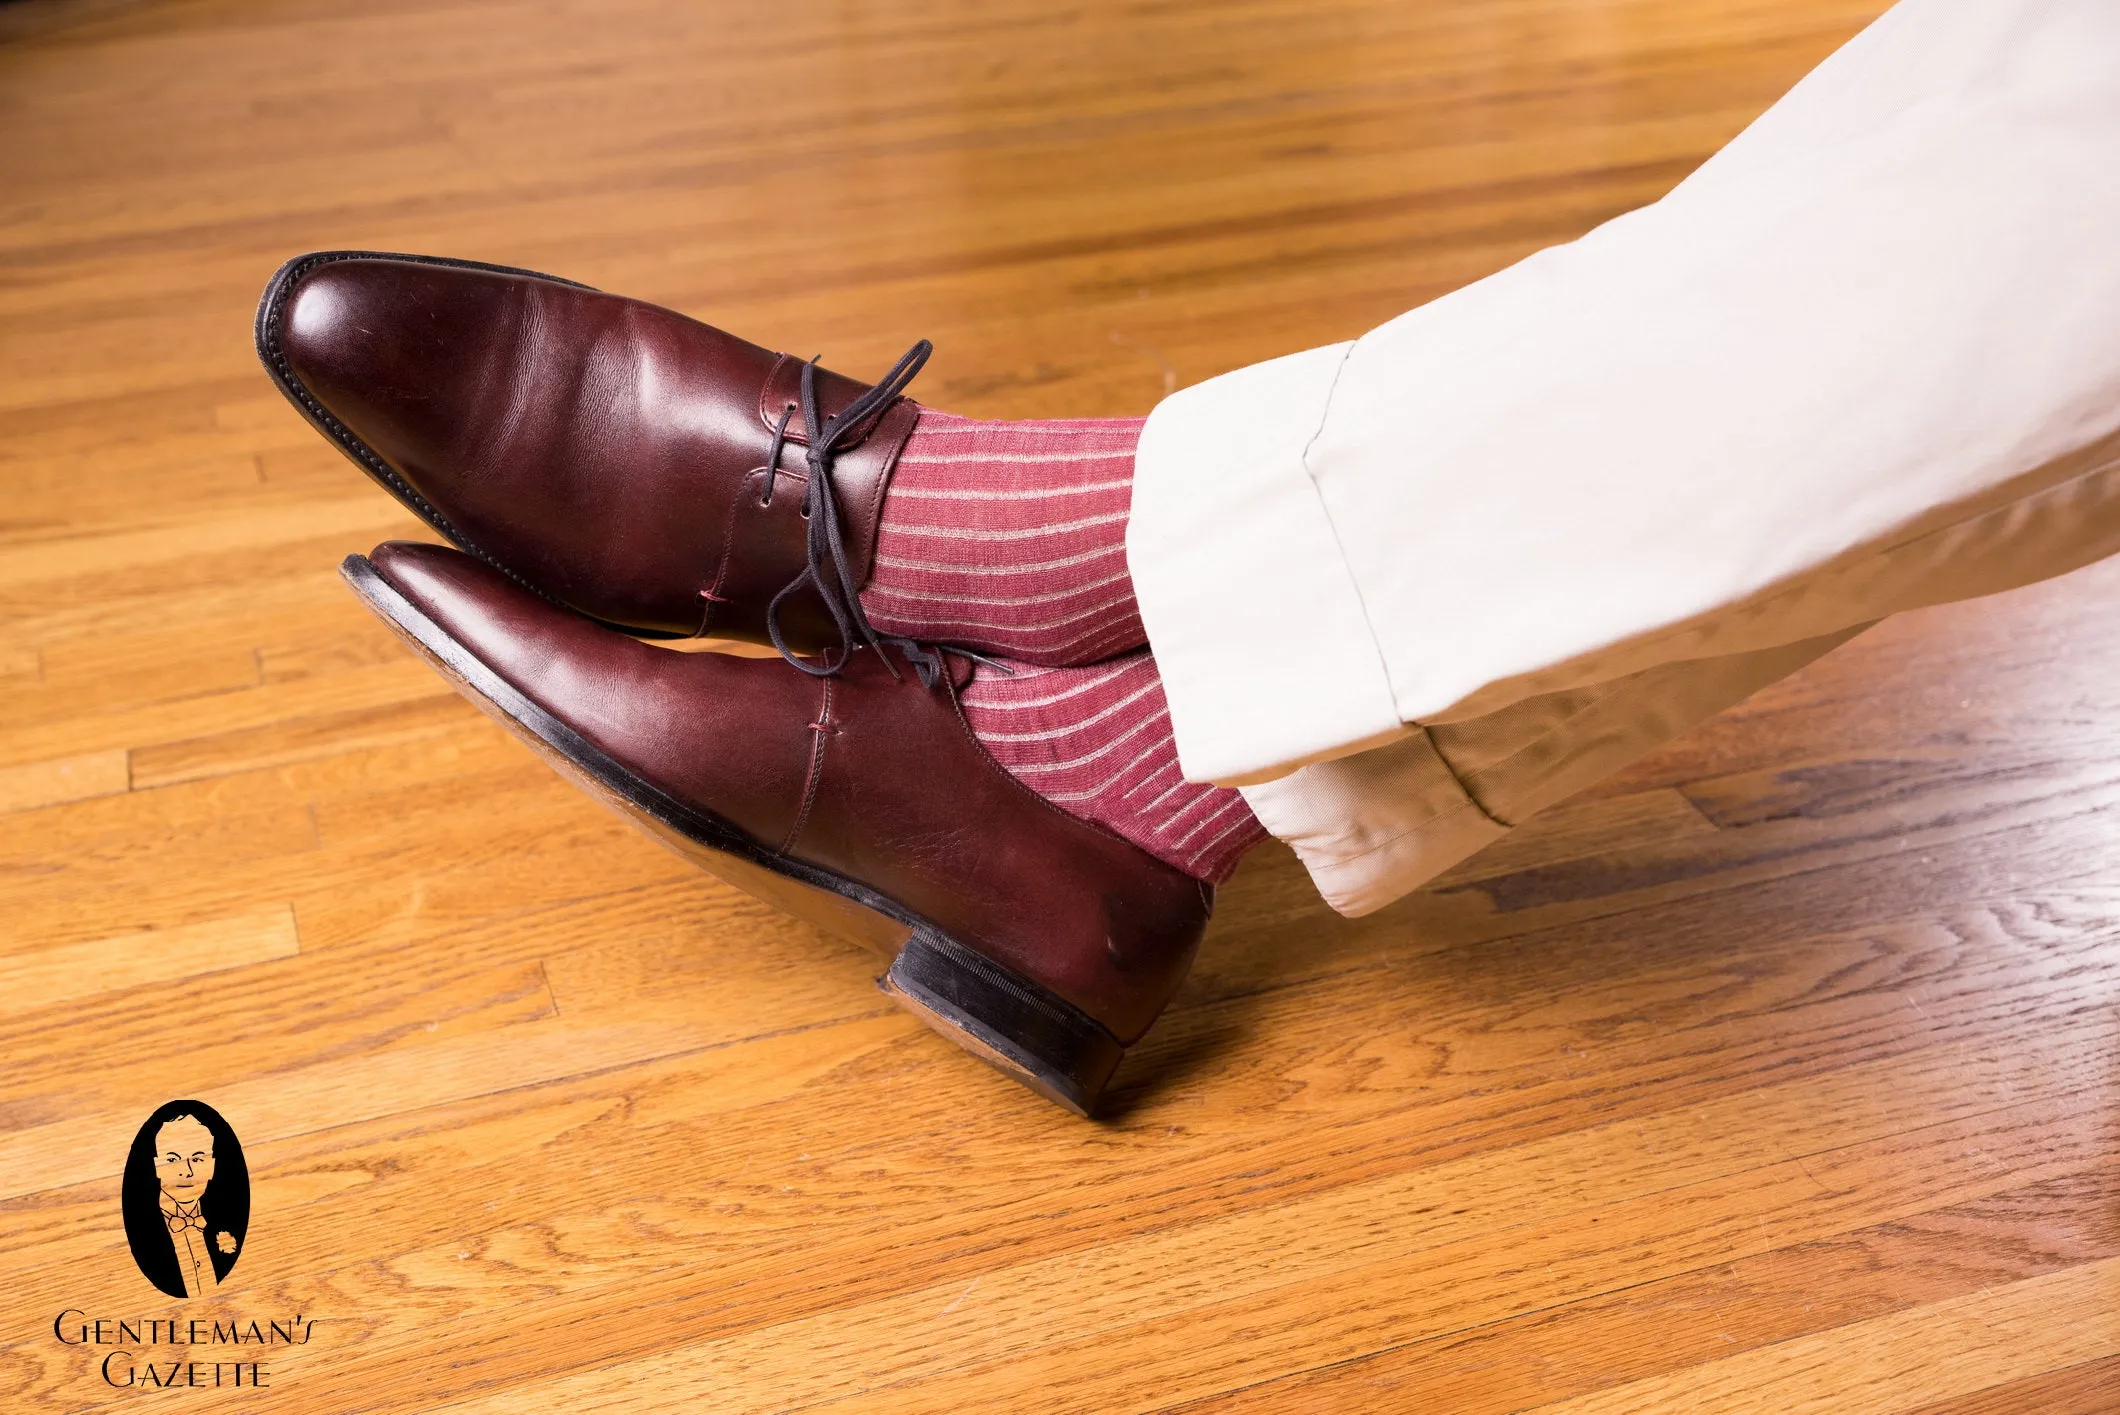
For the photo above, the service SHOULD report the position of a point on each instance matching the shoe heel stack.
(1011, 1023)
(1017, 1027)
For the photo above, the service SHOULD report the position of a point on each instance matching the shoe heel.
(1017, 1027)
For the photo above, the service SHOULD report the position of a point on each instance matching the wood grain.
(1959, 1345)
(1776, 1073)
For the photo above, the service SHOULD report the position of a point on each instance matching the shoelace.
(827, 570)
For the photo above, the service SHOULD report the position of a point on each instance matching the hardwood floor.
(1778, 1074)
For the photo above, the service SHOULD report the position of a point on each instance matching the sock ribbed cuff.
(1010, 537)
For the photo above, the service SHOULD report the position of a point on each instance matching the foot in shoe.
(1096, 741)
(1037, 938)
(661, 475)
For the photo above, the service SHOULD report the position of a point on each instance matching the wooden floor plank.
(1540, 1357)
(2078, 1390)
(154, 956)
(1896, 1362)
(76, 778)
(1149, 1353)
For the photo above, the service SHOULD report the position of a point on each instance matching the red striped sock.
(1010, 538)
(1096, 742)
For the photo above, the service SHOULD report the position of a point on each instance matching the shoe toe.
(392, 354)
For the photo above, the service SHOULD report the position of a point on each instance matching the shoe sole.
(1015, 1025)
(265, 332)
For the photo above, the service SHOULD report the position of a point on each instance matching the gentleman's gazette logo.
(186, 1197)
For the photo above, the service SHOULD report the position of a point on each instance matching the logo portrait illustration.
(186, 1196)
(186, 1201)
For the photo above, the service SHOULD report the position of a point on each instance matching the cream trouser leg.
(1408, 589)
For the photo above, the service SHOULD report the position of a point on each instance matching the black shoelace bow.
(827, 570)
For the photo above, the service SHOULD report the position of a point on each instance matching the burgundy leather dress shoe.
(860, 801)
(619, 458)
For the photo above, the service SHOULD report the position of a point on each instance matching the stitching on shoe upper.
(721, 570)
(819, 730)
